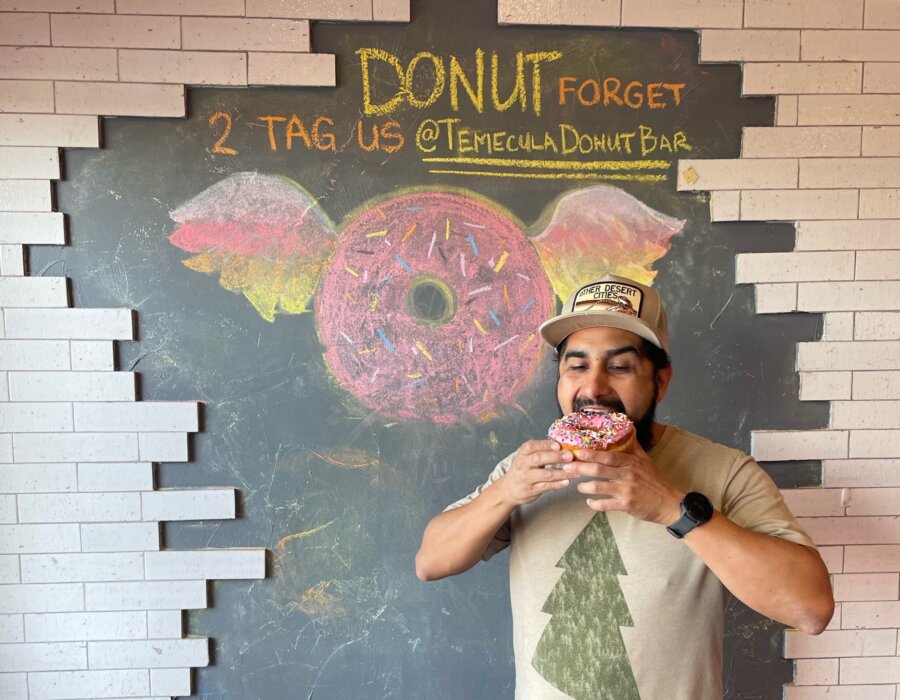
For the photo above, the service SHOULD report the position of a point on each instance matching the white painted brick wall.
(833, 168)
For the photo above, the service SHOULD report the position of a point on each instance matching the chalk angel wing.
(265, 236)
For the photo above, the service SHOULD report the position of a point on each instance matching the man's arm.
(455, 540)
(780, 579)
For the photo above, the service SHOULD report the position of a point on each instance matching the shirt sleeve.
(753, 501)
(501, 538)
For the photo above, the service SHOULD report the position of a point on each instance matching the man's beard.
(643, 428)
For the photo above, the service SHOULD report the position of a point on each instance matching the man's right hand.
(528, 476)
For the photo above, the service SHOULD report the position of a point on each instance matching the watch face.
(698, 506)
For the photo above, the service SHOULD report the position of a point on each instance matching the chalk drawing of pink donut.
(429, 308)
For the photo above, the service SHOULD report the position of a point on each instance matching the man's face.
(606, 368)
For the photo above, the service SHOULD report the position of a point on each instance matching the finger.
(612, 459)
(533, 446)
(537, 460)
(542, 486)
(597, 471)
(598, 488)
(603, 504)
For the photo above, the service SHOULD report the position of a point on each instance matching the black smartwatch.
(695, 510)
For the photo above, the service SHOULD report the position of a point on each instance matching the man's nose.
(596, 383)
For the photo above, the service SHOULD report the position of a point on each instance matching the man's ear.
(663, 377)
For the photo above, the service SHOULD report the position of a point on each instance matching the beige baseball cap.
(615, 302)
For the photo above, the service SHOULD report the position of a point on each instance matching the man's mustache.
(582, 402)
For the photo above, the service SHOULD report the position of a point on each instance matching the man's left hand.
(629, 482)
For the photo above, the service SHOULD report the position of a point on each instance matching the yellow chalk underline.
(556, 176)
(558, 164)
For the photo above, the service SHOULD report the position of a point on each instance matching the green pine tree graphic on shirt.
(581, 651)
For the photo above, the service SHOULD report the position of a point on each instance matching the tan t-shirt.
(608, 607)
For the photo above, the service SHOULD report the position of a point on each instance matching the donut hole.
(430, 301)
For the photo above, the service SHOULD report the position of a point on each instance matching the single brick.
(848, 356)
(40, 598)
(99, 6)
(76, 324)
(193, 67)
(64, 568)
(313, 9)
(64, 627)
(25, 29)
(189, 504)
(35, 163)
(858, 45)
(700, 14)
(61, 685)
(737, 174)
(866, 586)
(775, 298)
(881, 141)
(881, 77)
(34, 292)
(825, 386)
(793, 267)
(48, 130)
(54, 656)
(803, 14)
(786, 107)
(32, 228)
(398, 10)
(872, 558)
(837, 326)
(26, 96)
(39, 63)
(813, 501)
(159, 653)
(867, 615)
(849, 296)
(214, 8)
(861, 472)
(848, 235)
(164, 624)
(27, 417)
(717, 45)
(111, 476)
(170, 681)
(145, 416)
(163, 447)
(22, 539)
(11, 629)
(848, 109)
(33, 355)
(92, 355)
(874, 501)
(852, 530)
(836, 643)
(120, 99)
(882, 265)
(75, 447)
(12, 260)
(845, 172)
(882, 14)
(9, 569)
(864, 414)
(227, 34)
(786, 445)
(119, 31)
(834, 559)
(72, 386)
(883, 670)
(78, 507)
(876, 385)
(206, 564)
(25, 195)
(879, 204)
(119, 537)
(790, 205)
(521, 11)
(801, 78)
(725, 206)
(316, 69)
(800, 141)
(816, 672)
(155, 595)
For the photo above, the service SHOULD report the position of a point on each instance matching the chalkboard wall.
(275, 249)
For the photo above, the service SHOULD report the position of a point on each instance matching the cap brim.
(561, 327)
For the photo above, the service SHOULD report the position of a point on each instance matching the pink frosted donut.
(429, 308)
(593, 430)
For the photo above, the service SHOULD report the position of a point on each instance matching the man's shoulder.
(683, 441)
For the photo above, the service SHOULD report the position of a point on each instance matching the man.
(619, 562)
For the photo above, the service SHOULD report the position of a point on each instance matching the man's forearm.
(780, 579)
(454, 541)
